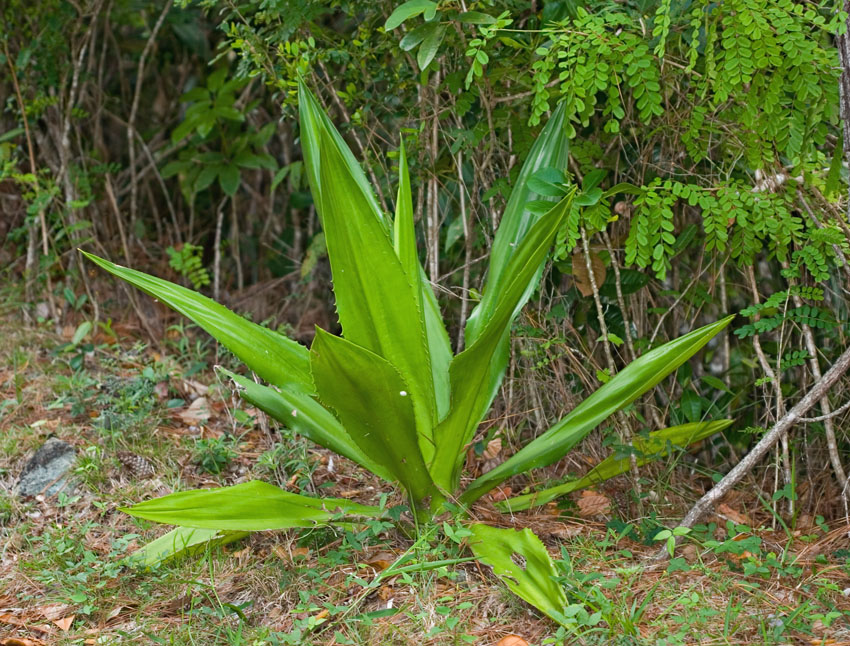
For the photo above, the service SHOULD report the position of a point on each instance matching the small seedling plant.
(388, 393)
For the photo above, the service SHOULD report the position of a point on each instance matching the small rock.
(48, 471)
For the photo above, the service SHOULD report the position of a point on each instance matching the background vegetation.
(165, 137)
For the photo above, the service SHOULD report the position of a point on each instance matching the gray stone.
(48, 471)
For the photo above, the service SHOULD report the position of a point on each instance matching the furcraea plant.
(389, 394)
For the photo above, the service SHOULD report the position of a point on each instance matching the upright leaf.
(272, 356)
(377, 302)
(314, 126)
(638, 377)
(373, 402)
(550, 150)
(404, 242)
(471, 370)
(521, 561)
(297, 410)
(657, 445)
(248, 507)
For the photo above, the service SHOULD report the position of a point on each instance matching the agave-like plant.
(389, 394)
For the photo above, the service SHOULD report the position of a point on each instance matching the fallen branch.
(764, 445)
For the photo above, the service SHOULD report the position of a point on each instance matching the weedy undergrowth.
(389, 394)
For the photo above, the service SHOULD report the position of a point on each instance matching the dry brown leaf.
(301, 552)
(580, 275)
(734, 516)
(65, 623)
(7, 618)
(198, 411)
(192, 387)
(494, 447)
(500, 493)
(511, 640)
(20, 641)
(381, 560)
(592, 503)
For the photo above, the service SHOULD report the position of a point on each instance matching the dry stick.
(42, 220)
(131, 122)
(467, 238)
(829, 427)
(768, 370)
(818, 391)
(612, 368)
(131, 296)
(217, 251)
(65, 151)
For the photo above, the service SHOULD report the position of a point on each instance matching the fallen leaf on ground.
(381, 560)
(494, 447)
(593, 503)
(20, 641)
(512, 640)
(65, 623)
(735, 516)
(500, 493)
(198, 411)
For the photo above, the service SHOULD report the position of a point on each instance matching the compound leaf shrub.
(387, 393)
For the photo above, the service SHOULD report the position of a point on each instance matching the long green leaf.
(272, 356)
(298, 411)
(248, 507)
(521, 561)
(634, 380)
(373, 402)
(377, 302)
(181, 541)
(656, 446)
(551, 149)
(316, 126)
(471, 370)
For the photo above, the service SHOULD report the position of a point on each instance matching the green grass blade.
(272, 356)
(248, 507)
(181, 541)
(551, 149)
(473, 372)
(634, 380)
(373, 402)
(656, 446)
(298, 411)
(522, 563)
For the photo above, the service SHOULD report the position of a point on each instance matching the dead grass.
(63, 559)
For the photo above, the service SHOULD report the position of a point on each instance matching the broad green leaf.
(430, 45)
(407, 11)
(471, 371)
(521, 561)
(415, 36)
(314, 122)
(296, 409)
(638, 377)
(476, 18)
(657, 445)
(550, 150)
(404, 234)
(228, 178)
(373, 402)
(181, 541)
(378, 303)
(272, 356)
(404, 242)
(249, 507)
